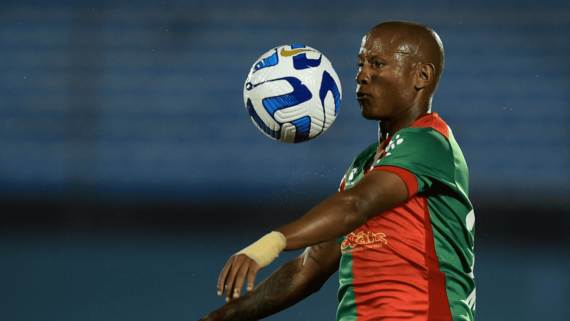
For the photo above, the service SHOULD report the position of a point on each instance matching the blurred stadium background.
(130, 171)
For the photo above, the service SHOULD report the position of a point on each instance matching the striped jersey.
(415, 261)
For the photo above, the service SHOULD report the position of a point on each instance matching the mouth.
(362, 96)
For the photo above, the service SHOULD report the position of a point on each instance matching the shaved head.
(400, 64)
(418, 42)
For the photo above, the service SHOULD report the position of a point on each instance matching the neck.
(388, 127)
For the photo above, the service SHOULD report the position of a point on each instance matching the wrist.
(266, 249)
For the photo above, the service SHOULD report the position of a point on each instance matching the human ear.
(425, 75)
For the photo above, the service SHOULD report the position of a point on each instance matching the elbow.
(314, 288)
(355, 209)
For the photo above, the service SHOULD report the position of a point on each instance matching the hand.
(233, 275)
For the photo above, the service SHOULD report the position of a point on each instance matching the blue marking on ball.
(267, 62)
(303, 127)
(328, 84)
(273, 133)
(301, 62)
(299, 95)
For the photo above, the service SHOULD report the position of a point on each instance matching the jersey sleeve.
(343, 182)
(422, 157)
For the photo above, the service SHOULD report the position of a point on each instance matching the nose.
(363, 76)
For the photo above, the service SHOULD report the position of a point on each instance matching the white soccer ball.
(292, 93)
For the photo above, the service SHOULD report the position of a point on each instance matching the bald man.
(401, 227)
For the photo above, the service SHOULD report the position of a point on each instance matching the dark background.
(130, 171)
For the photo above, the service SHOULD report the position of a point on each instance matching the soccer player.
(401, 227)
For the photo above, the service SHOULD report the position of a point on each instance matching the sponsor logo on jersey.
(362, 241)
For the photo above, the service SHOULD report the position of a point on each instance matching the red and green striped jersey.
(415, 261)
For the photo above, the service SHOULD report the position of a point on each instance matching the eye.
(378, 63)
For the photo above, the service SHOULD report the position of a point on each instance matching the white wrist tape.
(266, 249)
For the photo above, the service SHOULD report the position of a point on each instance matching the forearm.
(339, 215)
(336, 216)
(342, 213)
(282, 289)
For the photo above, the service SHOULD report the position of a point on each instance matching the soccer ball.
(292, 93)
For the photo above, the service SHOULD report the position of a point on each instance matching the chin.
(367, 115)
(371, 112)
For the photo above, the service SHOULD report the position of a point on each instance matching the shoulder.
(365, 154)
(419, 150)
(434, 122)
(368, 149)
(419, 139)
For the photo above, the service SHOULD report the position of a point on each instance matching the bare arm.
(291, 283)
(340, 214)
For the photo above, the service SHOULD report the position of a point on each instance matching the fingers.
(223, 275)
(234, 274)
(242, 272)
(234, 277)
(253, 269)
